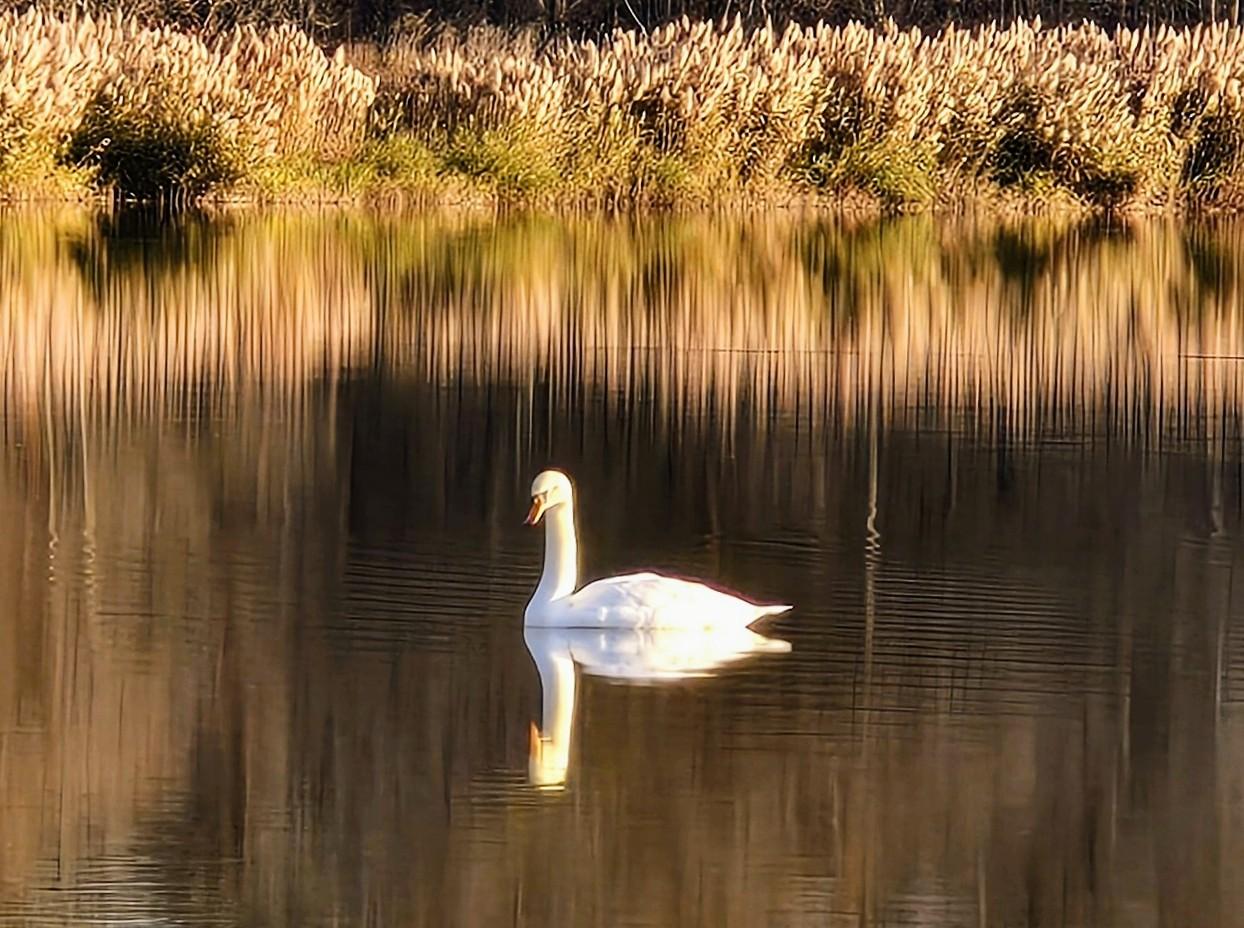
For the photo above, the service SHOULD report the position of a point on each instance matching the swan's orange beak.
(537, 510)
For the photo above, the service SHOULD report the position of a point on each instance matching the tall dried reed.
(156, 110)
(1148, 116)
(688, 112)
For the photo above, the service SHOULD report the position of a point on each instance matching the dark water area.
(263, 570)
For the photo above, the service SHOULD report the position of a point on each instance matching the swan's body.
(634, 601)
(624, 655)
(647, 601)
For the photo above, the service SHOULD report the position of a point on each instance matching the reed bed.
(154, 111)
(692, 112)
(694, 109)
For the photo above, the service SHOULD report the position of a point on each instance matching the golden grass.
(691, 113)
(696, 111)
(157, 111)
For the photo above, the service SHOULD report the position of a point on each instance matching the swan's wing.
(648, 600)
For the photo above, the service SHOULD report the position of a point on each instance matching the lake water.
(263, 570)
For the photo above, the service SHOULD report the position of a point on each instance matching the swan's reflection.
(625, 655)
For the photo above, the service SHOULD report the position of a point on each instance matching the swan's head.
(549, 490)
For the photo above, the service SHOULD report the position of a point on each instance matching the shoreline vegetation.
(689, 114)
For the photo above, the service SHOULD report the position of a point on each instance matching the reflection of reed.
(200, 320)
(140, 615)
(188, 705)
(1009, 331)
(171, 688)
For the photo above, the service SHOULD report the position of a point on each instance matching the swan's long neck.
(561, 556)
(551, 761)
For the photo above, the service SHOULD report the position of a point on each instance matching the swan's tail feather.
(765, 612)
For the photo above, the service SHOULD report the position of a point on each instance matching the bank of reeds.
(692, 111)
(689, 113)
(151, 111)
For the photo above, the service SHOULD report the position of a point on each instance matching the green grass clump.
(152, 154)
(398, 161)
(391, 165)
(512, 159)
(896, 179)
(33, 170)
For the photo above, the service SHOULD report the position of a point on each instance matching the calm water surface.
(262, 571)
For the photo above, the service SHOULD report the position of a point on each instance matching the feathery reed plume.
(1146, 116)
(692, 111)
(155, 110)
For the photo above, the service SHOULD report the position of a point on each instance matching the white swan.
(620, 654)
(638, 601)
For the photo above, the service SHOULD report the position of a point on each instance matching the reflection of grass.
(144, 242)
(1213, 268)
(696, 313)
(165, 584)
